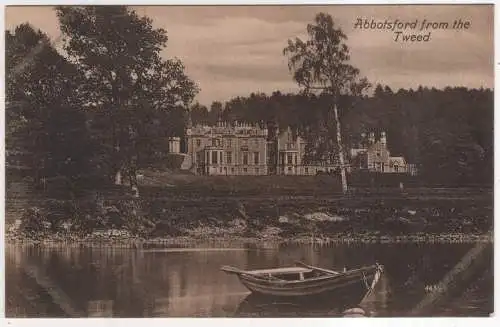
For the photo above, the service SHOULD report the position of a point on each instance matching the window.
(307, 170)
(245, 158)
(229, 157)
(256, 171)
(220, 157)
(214, 142)
(228, 142)
(396, 168)
(256, 158)
(198, 142)
(378, 154)
(289, 168)
(295, 160)
(220, 169)
(289, 159)
(232, 170)
(214, 157)
(245, 170)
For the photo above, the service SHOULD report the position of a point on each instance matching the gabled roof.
(397, 160)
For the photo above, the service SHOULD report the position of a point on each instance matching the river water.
(187, 281)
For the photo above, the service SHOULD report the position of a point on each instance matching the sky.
(236, 50)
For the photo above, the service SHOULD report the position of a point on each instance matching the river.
(187, 282)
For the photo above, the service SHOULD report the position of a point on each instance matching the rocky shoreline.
(225, 222)
(123, 239)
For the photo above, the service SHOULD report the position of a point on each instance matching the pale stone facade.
(291, 153)
(374, 156)
(174, 144)
(246, 149)
(228, 149)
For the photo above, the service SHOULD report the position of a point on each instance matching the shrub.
(34, 222)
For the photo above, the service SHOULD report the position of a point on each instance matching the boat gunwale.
(255, 277)
(301, 290)
(301, 286)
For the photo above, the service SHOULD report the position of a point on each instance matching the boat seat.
(286, 270)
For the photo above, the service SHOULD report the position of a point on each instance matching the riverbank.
(123, 239)
(174, 209)
(144, 222)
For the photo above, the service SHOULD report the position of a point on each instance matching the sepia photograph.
(249, 161)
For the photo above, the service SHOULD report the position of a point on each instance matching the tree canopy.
(128, 84)
(45, 131)
(448, 133)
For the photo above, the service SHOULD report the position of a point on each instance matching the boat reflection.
(255, 305)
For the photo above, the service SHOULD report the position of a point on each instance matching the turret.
(362, 142)
(383, 138)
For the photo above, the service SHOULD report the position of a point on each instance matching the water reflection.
(258, 306)
(184, 282)
(100, 308)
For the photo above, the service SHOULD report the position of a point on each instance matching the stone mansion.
(374, 156)
(250, 149)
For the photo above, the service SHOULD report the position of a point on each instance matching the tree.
(199, 114)
(127, 83)
(46, 128)
(215, 112)
(320, 64)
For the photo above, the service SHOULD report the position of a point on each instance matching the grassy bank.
(166, 183)
(177, 207)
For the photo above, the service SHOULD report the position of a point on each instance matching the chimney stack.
(371, 138)
(383, 138)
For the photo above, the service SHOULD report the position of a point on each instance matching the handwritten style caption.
(411, 31)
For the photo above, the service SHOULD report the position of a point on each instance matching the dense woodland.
(95, 113)
(447, 133)
(107, 108)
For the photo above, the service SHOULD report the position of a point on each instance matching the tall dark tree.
(46, 128)
(215, 112)
(321, 64)
(199, 114)
(127, 82)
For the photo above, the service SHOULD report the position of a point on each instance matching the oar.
(299, 263)
(234, 270)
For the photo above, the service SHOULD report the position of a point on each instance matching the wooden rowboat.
(304, 281)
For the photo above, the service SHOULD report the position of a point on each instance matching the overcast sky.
(236, 50)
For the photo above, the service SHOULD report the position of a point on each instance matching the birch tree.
(321, 65)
